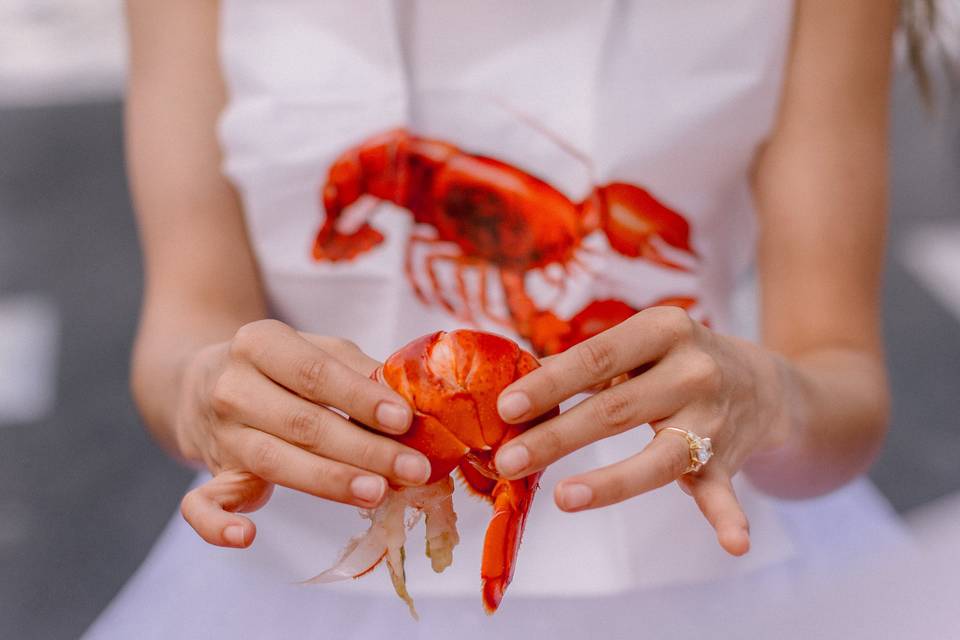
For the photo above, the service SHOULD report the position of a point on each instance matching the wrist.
(792, 405)
(198, 376)
(781, 396)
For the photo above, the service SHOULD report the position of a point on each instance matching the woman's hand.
(257, 411)
(681, 375)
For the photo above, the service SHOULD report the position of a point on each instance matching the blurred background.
(85, 492)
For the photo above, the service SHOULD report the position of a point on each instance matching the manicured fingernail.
(411, 468)
(234, 535)
(575, 496)
(392, 416)
(513, 405)
(513, 460)
(367, 488)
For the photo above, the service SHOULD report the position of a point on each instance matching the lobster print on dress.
(497, 219)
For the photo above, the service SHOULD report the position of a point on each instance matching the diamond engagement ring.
(701, 449)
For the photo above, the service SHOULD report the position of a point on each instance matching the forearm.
(820, 187)
(833, 418)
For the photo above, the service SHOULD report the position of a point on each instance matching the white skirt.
(184, 590)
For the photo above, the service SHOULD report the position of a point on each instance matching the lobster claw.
(634, 221)
(334, 246)
(341, 196)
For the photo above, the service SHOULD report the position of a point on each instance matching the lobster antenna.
(553, 136)
(534, 124)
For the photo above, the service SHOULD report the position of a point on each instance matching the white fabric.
(189, 590)
(621, 81)
(671, 96)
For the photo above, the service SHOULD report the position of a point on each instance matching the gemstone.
(704, 450)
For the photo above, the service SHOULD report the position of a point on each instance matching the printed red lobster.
(499, 217)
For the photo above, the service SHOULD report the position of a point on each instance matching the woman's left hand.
(681, 374)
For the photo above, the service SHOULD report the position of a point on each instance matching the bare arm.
(201, 279)
(804, 412)
(216, 382)
(821, 191)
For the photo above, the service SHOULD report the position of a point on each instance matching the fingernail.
(367, 488)
(392, 416)
(575, 496)
(411, 468)
(234, 535)
(513, 460)
(513, 405)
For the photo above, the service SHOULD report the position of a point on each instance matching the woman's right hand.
(257, 410)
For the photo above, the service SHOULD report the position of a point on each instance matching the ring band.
(701, 449)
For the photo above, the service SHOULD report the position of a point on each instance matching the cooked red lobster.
(452, 381)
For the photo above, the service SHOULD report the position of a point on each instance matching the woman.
(684, 138)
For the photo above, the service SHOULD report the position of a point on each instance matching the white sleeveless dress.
(670, 97)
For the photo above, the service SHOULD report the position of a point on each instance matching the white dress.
(565, 100)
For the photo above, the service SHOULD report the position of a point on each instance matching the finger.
(211, 508)
(653, 396)
(641, 339)
(296, 363)
(345, 351)
(716, 499)
(661, 462)
(254, 400)
(282, 463)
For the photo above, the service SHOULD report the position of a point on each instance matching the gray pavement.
(85, 492)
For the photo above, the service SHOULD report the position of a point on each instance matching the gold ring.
(701, 449)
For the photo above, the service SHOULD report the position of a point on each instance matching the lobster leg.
(415, 239)
(485, 299)
(437, 286)
(544, 329)
(511, 502)
(385, 538)
(459, 266)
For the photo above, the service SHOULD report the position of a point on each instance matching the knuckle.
(678, 322)
(306, 428)
(596, 358)
(616, 489)
(737, 517)
(703, 371)
(332, 480)
(248, 339)
(369, 454)
(334, 344)
(540, 383)
(186, 505)
(671, 463)
(614, 409)
(224, 397)
(549, 441)
(311, 375)
(342, 344)
(674, 463)
(220, 438)
(266, 458)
